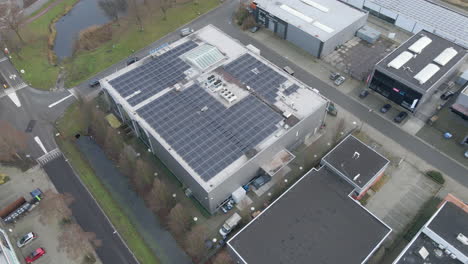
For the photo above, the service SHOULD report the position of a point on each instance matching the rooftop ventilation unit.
(445, 56)
(296, 13)
(463, 239)
(400, 60)
(227, 95)
(323, 27)
(420, 44)
(426, 73)
(316, 5)
(423, 253)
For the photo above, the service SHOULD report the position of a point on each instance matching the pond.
(84, 14)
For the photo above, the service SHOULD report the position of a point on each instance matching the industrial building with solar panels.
(215, 112)
(413, 72)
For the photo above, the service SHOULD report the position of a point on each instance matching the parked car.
(94, 83)
(385, 108)
(186, 31)
(26, 239)
(288, 70)
(261, 180)
(334, 75)
(132, 60)
(363, 94)
(446, 95)
(35, 255)
(400, 117)
(229, 224)
(227, 206)
(254, 29)
(339, 81)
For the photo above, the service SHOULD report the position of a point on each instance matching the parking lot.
(20, 184)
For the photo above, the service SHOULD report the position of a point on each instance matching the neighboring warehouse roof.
(319, 18)
(211, 103)
(355, 161)
(431, 14)
(314, 221)
(422, 60)
(446, 231)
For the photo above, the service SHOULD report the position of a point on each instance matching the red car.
(36, 254)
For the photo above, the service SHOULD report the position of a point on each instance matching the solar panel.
(291, 89)
(210, 140)
(257, 75)
(154, 76)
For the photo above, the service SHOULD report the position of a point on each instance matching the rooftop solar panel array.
(154, 76)
(291, 89)
(212, 139)
(257, 75)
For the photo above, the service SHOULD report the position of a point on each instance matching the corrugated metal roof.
(426, 73)
(433, 15)
(445, 56)
(204, 56)
(400, 60)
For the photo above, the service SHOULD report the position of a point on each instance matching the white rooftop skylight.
(426, 73)
(420, 44)
(316, 5)
(445, 56)
(323, 27)
(294, 12)
(400, 60)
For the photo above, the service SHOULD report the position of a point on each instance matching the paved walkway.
(34, 8)
(157, 238)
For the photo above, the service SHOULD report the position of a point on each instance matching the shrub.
(241, 14)
(436, 176)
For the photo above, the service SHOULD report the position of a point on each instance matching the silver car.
(186, 31)
(26, 239)
(339, 81)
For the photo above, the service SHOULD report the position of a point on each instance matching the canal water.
(84, 14)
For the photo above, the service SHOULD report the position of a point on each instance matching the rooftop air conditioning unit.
(227, 95)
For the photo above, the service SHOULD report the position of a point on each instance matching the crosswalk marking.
(48, 157)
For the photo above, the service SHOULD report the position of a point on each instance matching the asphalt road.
(87, 213)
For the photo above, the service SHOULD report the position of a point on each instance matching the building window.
(379, 15)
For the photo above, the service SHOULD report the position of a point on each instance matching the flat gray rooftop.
(418, 62)
(412, 256)
(448, 223)
(334, 15)
(313, 222)
(352, 157)
(433, 15)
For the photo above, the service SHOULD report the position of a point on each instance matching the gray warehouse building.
(215, 112)
(412, 73)
(417, 15)
(317, 26)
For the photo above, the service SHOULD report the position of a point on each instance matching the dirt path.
(38, 15)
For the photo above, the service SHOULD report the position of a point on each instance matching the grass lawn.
(33, 56)
(71, 123)
(128, 38)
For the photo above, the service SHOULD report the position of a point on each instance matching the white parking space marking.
(39, 142)
(61, 100)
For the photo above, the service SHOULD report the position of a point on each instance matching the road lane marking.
(39, 142)
(61, 100)
(14, 98)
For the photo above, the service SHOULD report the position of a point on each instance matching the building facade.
(317, 26)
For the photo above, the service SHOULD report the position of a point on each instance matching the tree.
(195, 242)
(178, 220)
(98, 126)
(164, 5)
(137, 13)
(12, 142)
(76, 242)
(113, 143)
(12, 20)
(126, 163)
(141, 176)
(113, 8)
(222, 258)
(55, 206)
(159, 198)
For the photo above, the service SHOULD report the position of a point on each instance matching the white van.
(230, 223)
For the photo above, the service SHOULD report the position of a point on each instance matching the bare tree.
(164, 5)
(126, 163)
(12, 20)
(55, 206)
(137, 13)
(76, 242)
(223, 258)
(142, 176)
(98, 126)
(12, 142)
(159, 198)
(195, 242)
(113, 143)
(113, 8)
(178, 220)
